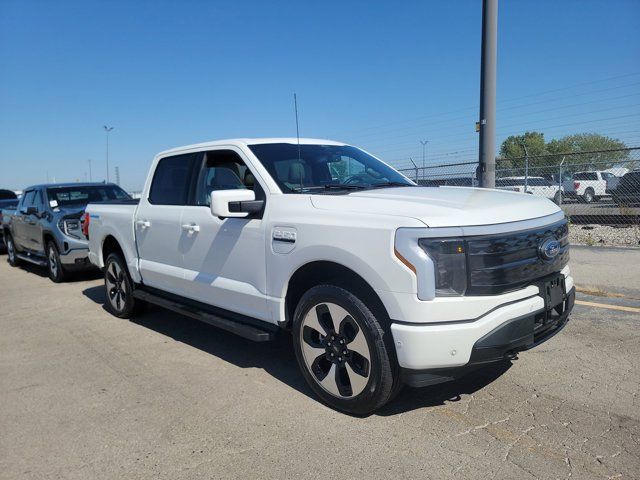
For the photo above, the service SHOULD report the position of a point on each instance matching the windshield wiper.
(391, 184)
(345, 186)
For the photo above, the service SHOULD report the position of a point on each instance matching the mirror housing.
(234, 203)
(31, 210)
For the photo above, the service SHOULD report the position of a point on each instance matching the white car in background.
(539, 186)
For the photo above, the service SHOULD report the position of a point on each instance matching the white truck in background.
(590, 186)
(380, 281)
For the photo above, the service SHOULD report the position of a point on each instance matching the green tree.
(588, 142)
(512, 147)
(512, 153)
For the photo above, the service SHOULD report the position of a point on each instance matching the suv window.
(83, 194)
(171, 180)
(586, 176)
(27, 199)
(538, 182)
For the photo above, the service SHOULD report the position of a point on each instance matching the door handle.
(143, 224)
(191, 228)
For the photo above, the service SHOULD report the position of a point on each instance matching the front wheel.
(557, 198)
(340, 349)
(55, 269)
(119, 288)
(12, 256)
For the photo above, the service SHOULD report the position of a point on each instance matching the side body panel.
(113, 221)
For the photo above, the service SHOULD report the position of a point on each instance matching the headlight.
(450, 264)
(70, 227)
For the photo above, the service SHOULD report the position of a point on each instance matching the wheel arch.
(110, 244)
(320, 272)
(47, 236)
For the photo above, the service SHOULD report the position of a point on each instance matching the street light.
(107, 130)
(90, 176)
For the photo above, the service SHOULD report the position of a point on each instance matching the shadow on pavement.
(73, 275)
(277, 358)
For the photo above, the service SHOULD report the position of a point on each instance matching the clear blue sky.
(382, 75)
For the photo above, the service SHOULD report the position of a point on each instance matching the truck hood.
(70, 211)
(441, 206)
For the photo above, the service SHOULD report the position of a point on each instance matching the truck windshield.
(81, 195)
(320, 168)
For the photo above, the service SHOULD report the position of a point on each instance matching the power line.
(440, 114)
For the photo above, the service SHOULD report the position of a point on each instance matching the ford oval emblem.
(549, 249)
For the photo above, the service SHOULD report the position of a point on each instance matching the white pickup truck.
(590, 186)
(381, 282)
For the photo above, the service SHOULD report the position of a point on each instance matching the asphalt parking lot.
(86, 395)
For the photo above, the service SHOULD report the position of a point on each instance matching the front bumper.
(76, 257)
(435, 353)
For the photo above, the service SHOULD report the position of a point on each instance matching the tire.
(119, 288)
(12, 257)
(56, 271)
(345, 362)
(588, 196)
(557, 198)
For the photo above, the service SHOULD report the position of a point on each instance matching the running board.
(249, 332)
(35, 260)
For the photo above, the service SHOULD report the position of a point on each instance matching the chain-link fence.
(599, 187)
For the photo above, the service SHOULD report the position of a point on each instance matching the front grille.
(505, 262)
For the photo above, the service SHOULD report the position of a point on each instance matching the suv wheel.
(12, 256)
(54, 266)
(588, 196)
(340, 349)
(119, 288)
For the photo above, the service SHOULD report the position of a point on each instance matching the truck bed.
(112, 218)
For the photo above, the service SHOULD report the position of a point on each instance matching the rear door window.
(172, 179)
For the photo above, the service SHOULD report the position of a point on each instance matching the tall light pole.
(107, 130)
(424, 155)
(487, 124)
(90, 178)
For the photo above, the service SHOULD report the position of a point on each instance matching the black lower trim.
(501, 343)
(247, 327)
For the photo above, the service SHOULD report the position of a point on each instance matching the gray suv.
(46, 228)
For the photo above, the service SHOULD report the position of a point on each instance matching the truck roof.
(68, 184)
(253, 141)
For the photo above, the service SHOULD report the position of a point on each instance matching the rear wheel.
(119, 288)
(56, 271)
(340, 349)
(588, 196)
(12, 256)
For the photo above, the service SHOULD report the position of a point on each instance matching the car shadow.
(278, 359)
(72, 275)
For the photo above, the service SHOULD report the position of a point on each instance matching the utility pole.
(117, 175)
(107, 130)
(487, 146)
(90, 179)
(424, 156)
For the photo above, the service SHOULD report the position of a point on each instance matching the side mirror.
(32, 211)
(234, 203)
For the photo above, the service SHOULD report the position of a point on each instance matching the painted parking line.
(609, 306)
